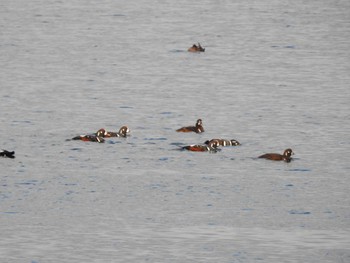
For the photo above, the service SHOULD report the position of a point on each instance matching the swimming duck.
(286, 156)
(7, 154)
(97, 137)
(198, 128)
(196, 48)
(211, 147)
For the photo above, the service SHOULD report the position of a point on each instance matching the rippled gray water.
(274, 75)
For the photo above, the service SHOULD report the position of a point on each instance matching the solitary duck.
(196, 48)
(7, 154)
(211, 147)
(223, 142)
(98, 137)
(123, 132)
(197, 129)
(286, 156)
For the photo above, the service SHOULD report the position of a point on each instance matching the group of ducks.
(208, 146)
(124, 131)
(213, 144)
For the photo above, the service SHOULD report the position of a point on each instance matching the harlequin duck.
(123, 132)
(198, 128)
(223, 142)
(211, 147)
(98, 137)
(196, 48)
(286, 156)
(7, 154)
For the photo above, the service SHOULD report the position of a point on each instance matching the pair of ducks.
(101, 134)
(212, 145)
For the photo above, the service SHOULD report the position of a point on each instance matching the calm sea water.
(274, 75)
